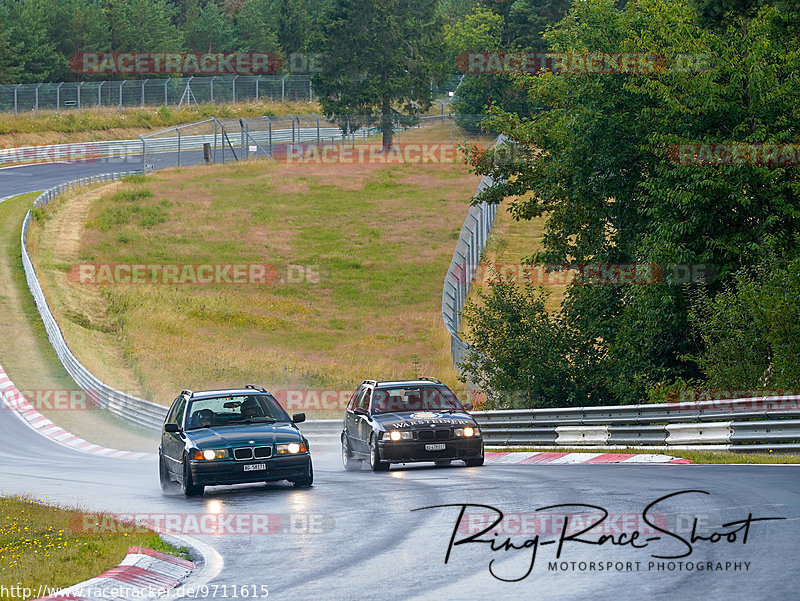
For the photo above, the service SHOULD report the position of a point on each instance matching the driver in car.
(250, 408)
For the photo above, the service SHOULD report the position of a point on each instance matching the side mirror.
(171, 428)
(361, 411)
(468, 406)
(298, 418)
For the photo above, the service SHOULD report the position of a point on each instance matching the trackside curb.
(14, 401)
(511, 458)
(142, 574)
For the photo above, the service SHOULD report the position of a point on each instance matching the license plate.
(435, 447)
(255, 466)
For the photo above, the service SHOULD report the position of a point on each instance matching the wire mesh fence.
(27, 98)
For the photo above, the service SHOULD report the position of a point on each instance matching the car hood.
(423, 419)
(242, 434)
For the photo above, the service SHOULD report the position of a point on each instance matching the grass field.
(28, 357)
(42, 545)
(374, 242)
(91, 125)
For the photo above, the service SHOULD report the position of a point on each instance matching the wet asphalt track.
(355, 536)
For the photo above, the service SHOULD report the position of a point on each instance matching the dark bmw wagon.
(404, 421)
(231, 437)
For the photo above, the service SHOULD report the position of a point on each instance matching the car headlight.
(291, 448)
(211, 454)
(396, 435)
(467, 432)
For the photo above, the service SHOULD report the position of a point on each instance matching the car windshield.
(225, 410)
(414, 398)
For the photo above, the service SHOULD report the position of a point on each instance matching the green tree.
(377, 54)
(254, 28)
(603, 176)
(210, 30)
(143, 26)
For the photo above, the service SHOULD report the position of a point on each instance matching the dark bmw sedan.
(405, 421)
(231, 437)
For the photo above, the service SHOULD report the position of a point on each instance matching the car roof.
(391, 383)
(205, 394)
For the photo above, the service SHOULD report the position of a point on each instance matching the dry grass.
(91, 125)
(380, 238)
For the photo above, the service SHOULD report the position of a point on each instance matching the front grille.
(243, 454)
(262, 452)
(443, 434)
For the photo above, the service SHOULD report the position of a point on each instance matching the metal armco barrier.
(132, 409)
(466, 257)
(754, 424)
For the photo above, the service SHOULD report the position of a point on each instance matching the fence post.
(242, 134)
(80, 85)
(144, 153)
(15, 98)
(58, 97)
(178, 129)
(258, 78)
(99, 99)
(121, 83)
(36, 93)
(310, 93)
(233, 88)
(165, 91)
(215, 141)
(283, 89)
(317, 116)
(143, 82)
(292, 117)
(212, 90)
(269, 121)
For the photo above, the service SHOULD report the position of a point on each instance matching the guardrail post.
(144, 153)
(269, 121)
(292, 118)
(243, 136)
(178, 129)
(215, 141)
(317, 117)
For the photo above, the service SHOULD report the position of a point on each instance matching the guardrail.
(115, 148)
(775, 425)
(132, 409)
(466, 257)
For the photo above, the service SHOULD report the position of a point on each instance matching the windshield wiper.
(256, 420)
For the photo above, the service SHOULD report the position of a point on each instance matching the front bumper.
(230, 471)
(408, 451)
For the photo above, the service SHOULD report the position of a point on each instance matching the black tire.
(306, 482)
(474, 462)
(163, 475)
(351, 464)
(375, 463)
(190, 489)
